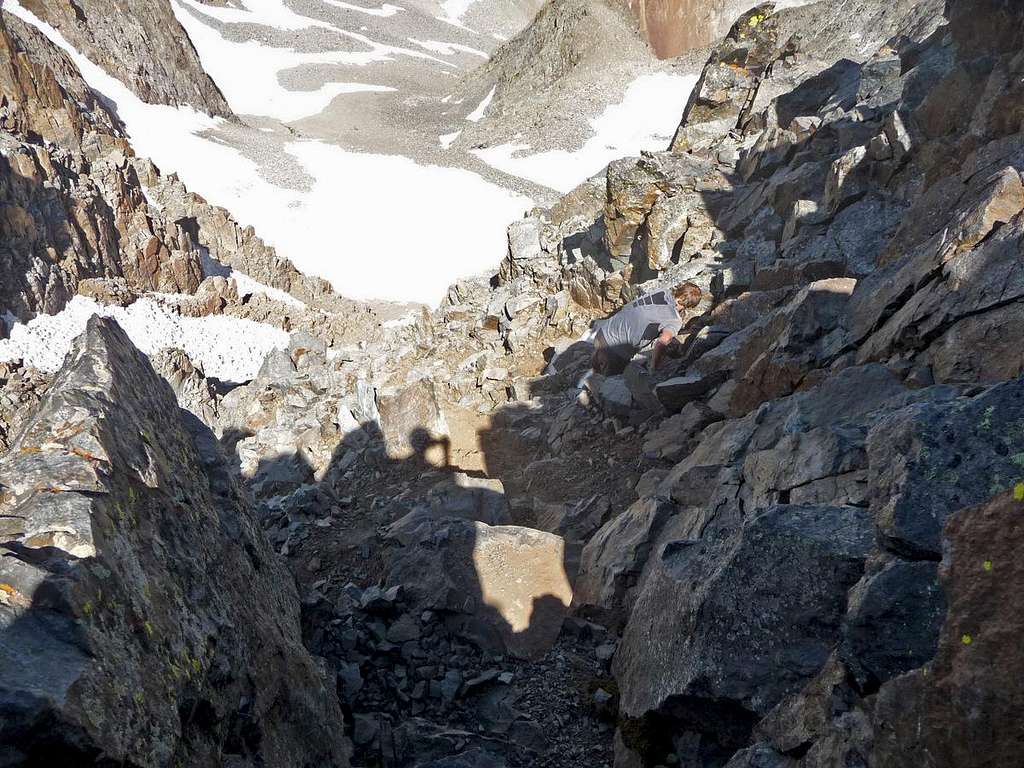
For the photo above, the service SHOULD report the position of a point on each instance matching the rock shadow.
(431, 593)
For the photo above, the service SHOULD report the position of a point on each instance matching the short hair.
(689, 294)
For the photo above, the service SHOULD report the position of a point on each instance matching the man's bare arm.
(660, 345)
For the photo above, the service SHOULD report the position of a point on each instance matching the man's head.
(687, 296)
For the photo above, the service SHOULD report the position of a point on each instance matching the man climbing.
(653, 318)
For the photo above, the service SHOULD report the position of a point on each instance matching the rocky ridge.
(144, 46)
(794, 548)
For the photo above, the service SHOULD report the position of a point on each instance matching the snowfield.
(659, 97)
(228, 348)
(374, 226)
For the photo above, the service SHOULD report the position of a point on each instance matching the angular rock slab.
(737, 623)
(144, 619)
(503, 587)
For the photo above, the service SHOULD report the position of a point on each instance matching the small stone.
(403, 630)
(450, 685)
(603, 703)
(376, 600)
(364, 728)
(350, 680)
(480, 681)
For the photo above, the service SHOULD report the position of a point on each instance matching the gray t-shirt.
(641, 321)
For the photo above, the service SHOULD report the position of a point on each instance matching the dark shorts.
(610, 360)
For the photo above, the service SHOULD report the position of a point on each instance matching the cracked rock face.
(128, 547)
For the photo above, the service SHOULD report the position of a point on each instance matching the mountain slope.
(143, 45)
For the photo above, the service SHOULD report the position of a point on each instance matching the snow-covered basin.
(228, 348)
(645, 120)
(375, 226)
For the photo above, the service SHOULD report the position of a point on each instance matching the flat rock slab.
(523, 578)
(504, 587)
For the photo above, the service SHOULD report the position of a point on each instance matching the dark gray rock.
(419, 742)
(929, 460)
(760, 756)
(893, 621)
(745, 620)
(676, 392)
(365, 728)
(614, 558)
(473, 758)
(471, 498)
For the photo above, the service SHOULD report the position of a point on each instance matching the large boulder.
(731, 625)
(144, 619)
(929, 460)
(892, 625)
(411, 420)
(614, 558)
(503, 587)
(772, 356)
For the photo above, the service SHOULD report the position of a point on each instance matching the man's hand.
(660, 345)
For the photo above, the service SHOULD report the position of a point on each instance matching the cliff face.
(140, 43)
(857, 234)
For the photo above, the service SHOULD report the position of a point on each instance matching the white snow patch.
(455, 9)
(644, 120)
(228, 348)
(400, 322)
(247, 73)
(425, 225)
(448, 139)
(150, 200)
(448, 49)
(477, 114)
(499, 37)
(413, 228)
(455, 23)
(383, 11)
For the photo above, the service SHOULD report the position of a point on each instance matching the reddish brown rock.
(674, 27)
(963, 709)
